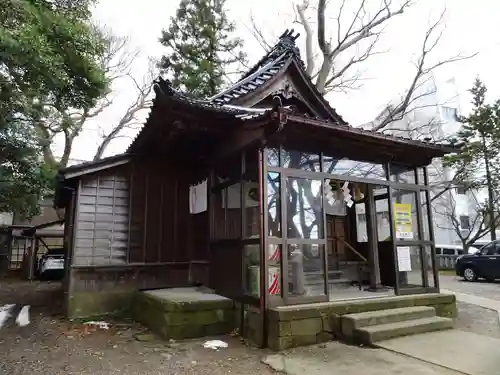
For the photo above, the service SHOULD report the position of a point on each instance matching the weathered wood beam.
(242, 138)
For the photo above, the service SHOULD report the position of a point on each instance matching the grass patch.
(447, 272)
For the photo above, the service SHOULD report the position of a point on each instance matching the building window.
(464, 222)
(461, 190)
(449, 113)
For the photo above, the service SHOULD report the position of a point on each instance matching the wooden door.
(336, 228)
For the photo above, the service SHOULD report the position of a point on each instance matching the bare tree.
(69, 123)
(130, 117)
(469, 228)
(353, 40)
(422, 71)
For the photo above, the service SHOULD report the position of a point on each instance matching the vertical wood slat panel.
(102, 219)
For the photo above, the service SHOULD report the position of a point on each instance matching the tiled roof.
(378, 135)
(264, 70)
(238, 112)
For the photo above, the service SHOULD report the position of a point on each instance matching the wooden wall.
(133, 230)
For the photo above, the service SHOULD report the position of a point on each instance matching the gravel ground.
(52, 345)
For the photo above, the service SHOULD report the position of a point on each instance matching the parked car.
(453, 250)
(51, 264)
(485, 263)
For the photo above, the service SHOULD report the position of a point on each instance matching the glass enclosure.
(329, 221)
(309, 227)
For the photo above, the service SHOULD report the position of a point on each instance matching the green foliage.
(50, 54)
(48, 61)
(200, 47)
(479, 141)
(478, 161)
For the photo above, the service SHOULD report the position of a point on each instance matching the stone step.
(331, 273)
(330, 282)
(350, 322)
(319, 274)
(372, 334)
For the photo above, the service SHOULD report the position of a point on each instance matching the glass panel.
(306, 271)
(274, 283)
(425, 217)
(420, 176)
(304, 208)
(251, 261)
(381, 195)
(251, 188)
(274, 204)
(273, 157)
(409, 267)
(430, 273)
(403, 174)
(334, 165)
(361, 228)
(334, 200)
(404, 204)
(301, 160)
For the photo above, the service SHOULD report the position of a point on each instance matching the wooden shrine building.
(262, 193)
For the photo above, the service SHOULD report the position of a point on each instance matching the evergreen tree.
(478, 161)
(48, 60)
(200, 47)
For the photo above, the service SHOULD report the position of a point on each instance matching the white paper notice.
(404, 260)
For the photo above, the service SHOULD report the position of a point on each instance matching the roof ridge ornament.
(286, 43)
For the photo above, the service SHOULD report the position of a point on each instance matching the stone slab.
(184, 299)
(445, 305)
(185, 295)
(336, 358)
(371, 334)
(350, 322)
(461, 351)
(182, 313)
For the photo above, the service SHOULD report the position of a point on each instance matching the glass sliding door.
(305, 239)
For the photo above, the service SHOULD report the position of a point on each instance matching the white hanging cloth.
(198, 198)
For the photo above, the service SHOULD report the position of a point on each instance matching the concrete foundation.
(182, 313)
(92, 304)
(293, 326)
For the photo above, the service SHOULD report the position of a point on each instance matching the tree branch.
(397, 112)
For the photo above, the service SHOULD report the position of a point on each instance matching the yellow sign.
(403, 221)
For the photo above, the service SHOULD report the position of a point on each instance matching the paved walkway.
(463, 352)
(485, 302)
(337, 358)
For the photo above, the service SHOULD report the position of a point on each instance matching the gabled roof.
(284, 56)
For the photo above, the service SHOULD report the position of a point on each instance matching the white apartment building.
(434, 115)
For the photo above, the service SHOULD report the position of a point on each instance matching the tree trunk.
(489, 185)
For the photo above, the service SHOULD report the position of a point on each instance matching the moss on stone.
(85, 304)
(293, 326)
(176, 324)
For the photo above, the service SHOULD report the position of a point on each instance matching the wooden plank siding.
(102, 221)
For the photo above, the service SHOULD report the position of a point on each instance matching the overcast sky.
(470, 27)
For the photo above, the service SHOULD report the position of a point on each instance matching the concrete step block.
(350, 322)
(371, 334)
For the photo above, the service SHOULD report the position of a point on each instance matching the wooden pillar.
(371, 227)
